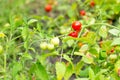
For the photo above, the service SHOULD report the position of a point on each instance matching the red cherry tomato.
(76, 26)
(82, 13)
(112, 50)
(92, 3)
(73, 34)
(48, 8)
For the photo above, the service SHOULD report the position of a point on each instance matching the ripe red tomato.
(92, 3)
(48, 8)
(82, 12)
(112, 50)
(73, 34)
(76, 26)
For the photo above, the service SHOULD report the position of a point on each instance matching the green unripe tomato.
(55, 41)
(50, 46)
(62, 31)
(43, 45)
(1, 49)
(113, 57)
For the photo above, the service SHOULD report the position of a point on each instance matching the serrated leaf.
(114, 32)
(116, 41)
(60, 70)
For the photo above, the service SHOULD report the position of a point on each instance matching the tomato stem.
(72, 53)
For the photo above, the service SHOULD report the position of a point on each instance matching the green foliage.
(35, 45)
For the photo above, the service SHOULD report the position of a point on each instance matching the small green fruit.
(50, 46)
(43, 45)
(55, 41)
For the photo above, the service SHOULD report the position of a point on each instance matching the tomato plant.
(59, 40)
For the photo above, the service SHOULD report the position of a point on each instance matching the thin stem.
(72, 53)
(5, 66)
(61, 54)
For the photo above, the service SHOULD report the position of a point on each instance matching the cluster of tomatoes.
(51, 45)
(76, 26)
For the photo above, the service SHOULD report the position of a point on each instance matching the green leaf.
(103, 31)
(27, 56)
(66, 57)
(94, 51)
(40, 71)
(90, 38)
(87, 60)
(84, 48)
(78, 67)
(44, 56)
(16, 68)
(70, 13)
(116, 41)
(84, 72)
(98, 75)
(106, 45)
(114, 32)
(69, 72)
(79, 53)
(60, 70)
(103, 54)
(91, 74)
(25, 32)
(116, 8)
(32, 21)
(70, 42)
